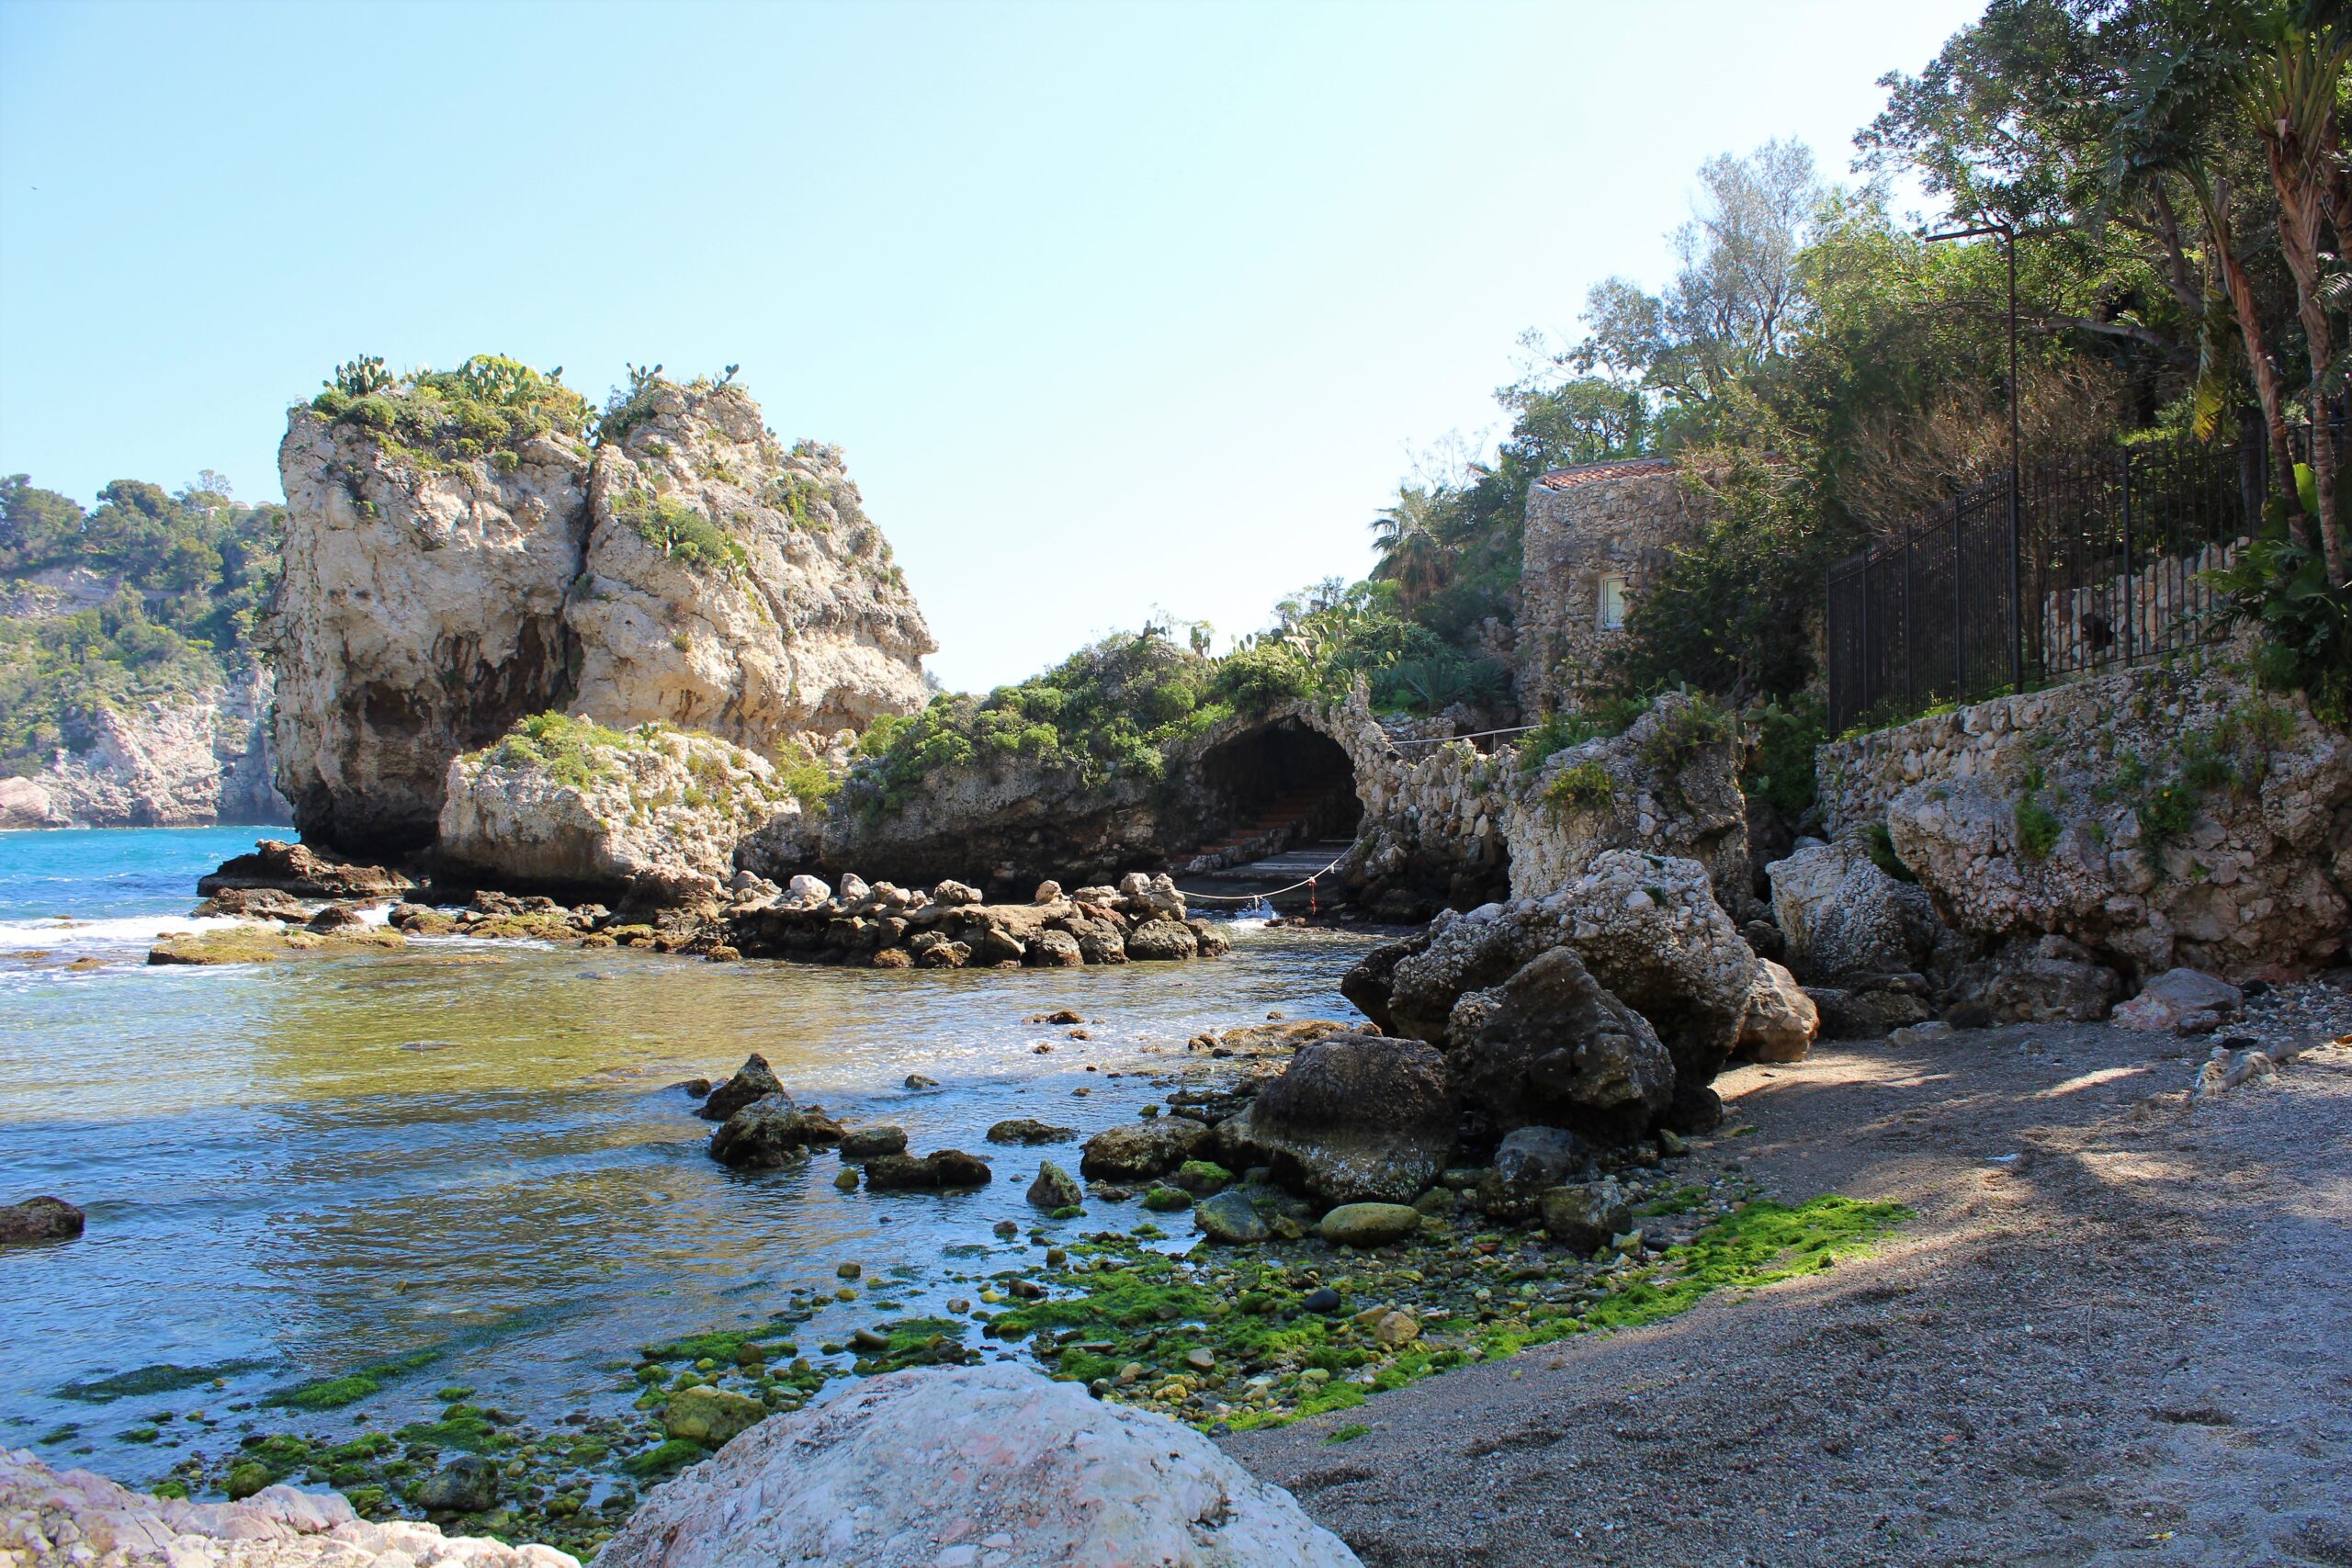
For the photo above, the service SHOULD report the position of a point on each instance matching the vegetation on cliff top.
(148, 594)
(490, 406)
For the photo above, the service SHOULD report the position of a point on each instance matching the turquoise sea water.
(476, 1150)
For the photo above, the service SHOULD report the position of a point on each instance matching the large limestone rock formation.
(801, 624)
(444, 580)
(652, 812)
(966, 1465)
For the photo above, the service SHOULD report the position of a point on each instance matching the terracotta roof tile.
(1618, 467)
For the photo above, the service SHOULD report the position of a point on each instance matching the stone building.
(1595, 535)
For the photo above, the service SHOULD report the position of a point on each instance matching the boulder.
(2182, 1001)
(336, 918)
(40, 1219)
(1055, 1188)
(304, 872)
(1457, 953)
(752, 1080)
(1230, 1219)
(711, 1417)
(264, 904)
(1866, 1012)
(267, 1526)
(1526, 1164)
(771, 1131)
(1841, 914)
(1052, 950)
(1155, 941)
(1583, 1218)
(1551, 1047)
(1370, 1224)
(1651, 933)
(942, 1168)
(868, 1141)
(1100, 936)
(808, 891)
(651, 813)
(1353, 1117)
(1137, 1151)
(2033, 980)
(1028, 1129)
(954, 895)
(910, 1467)
(1781, 1023)
(467, 1485)
(1209, 939)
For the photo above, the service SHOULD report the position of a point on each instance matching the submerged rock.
(40, 1219)
(1027, 1129)
(866, 1143)
(771, 1131)
(916, 1457)
(942, 1168)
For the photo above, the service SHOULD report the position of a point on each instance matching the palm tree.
(1411, 556)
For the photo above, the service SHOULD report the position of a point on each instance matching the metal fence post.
(2131, 589)
(1910, 694)
(1958, 617)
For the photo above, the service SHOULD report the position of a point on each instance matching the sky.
(1120, 311)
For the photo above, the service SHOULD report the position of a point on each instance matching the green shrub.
(1880, 845)
(1585, 786)
(2280, 587)
(2037, 829)
(1780, 758)
(681, 532)
(488, 404)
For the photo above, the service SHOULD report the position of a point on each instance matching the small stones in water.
(1059, 1015)
(1007, 1228)
(850, 1270)
(1164, 1200)
(881, 1138)
(919, 1080)
(1055, 1188)
(1027, 1129)
(847, 1180)
(870, 1339)
(959, 1303)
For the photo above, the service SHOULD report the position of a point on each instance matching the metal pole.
(2016, 619)
(1910, 694)
(2131, 589)
(1959, 692)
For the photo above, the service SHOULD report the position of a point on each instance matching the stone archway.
(1276, 787)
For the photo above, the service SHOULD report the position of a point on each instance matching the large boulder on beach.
(1457, 953)
(1781, 1022)
(1841, 914)
(949, 1466)
(1650, 931)
(276, 1526)
(1353, 1118)
(1552, 1047)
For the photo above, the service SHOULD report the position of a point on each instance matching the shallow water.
(294, 1170)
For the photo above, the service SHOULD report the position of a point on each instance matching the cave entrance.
(1278, 787)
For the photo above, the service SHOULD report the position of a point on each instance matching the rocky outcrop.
(72, 1516)
(953, 1465)
(1353, 1118)
(686, 570)
(1841, 914)
(884, 926)
(183, 761)
(650, 813)
(1625, 1028)
(2160, 817)
(283, 866)
(41, 1219)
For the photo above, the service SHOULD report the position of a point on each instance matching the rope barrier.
(1256, 898)
(1475, 735)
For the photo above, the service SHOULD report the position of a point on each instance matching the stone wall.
(2158, 815)
(1584, 525)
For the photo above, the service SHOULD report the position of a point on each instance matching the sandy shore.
(2119, 1330)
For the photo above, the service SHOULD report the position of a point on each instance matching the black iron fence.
(2105, 569)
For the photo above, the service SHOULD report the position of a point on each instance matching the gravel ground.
(2119, 1330)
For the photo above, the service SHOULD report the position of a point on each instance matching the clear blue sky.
(1115, 307)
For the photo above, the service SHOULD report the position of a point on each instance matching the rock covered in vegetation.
(460, 556)
(651, 813)
(1354, 1117)
(2159, 816)
(916, 1466)
(73, 1515)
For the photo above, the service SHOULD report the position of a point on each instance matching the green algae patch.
(664, 1459)
(463, 1427)
(163, 1378)
(334, 1393)
(1758, 1244)
(1348, 1433)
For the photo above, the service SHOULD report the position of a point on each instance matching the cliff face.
(172, 762)
(684, 569)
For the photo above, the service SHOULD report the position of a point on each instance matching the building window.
(1613, 602)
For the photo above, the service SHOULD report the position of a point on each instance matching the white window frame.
(1608, 600)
